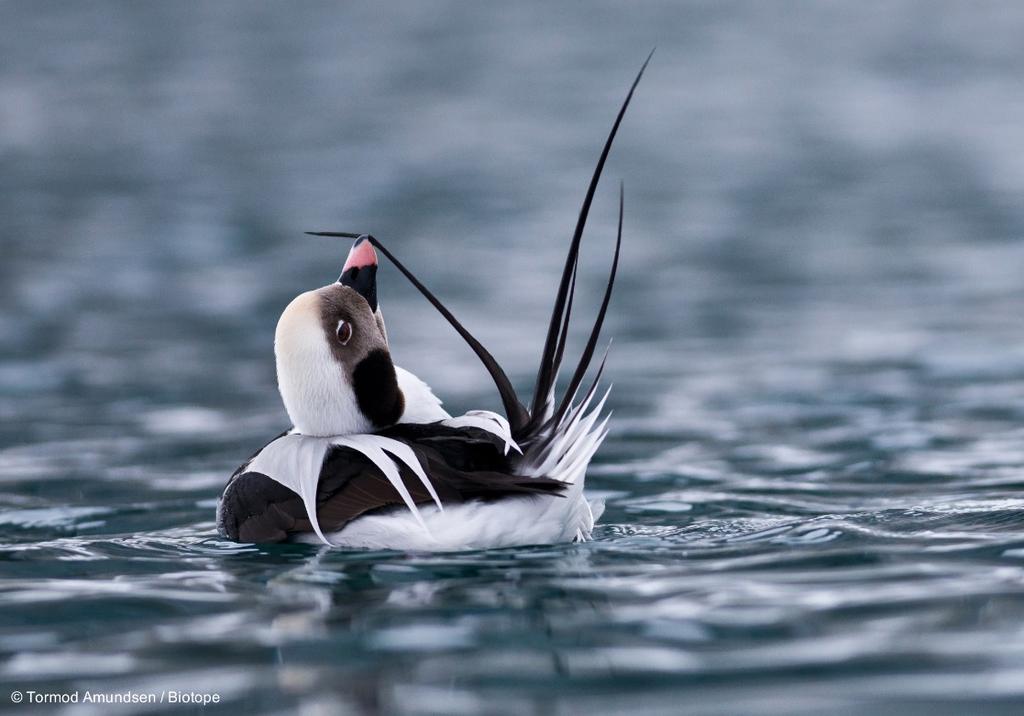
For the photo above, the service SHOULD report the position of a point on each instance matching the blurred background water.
(815, 473)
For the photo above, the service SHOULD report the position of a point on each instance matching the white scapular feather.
(405, 453)
(371, 446)
(295, 460)
(487, 421)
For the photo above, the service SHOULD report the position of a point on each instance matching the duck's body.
(374, 461)
(463, 488)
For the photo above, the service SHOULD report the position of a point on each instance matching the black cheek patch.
(376, 388)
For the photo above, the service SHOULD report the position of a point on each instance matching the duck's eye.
(344, 332)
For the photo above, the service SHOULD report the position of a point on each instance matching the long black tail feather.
(563, 339)
(554, 344)
(514, 409)
(526, 424)
(595, 332)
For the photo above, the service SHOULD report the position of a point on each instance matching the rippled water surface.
(815, 472)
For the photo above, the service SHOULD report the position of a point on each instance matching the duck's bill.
(360, 271)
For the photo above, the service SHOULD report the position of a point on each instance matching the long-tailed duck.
(373, 460)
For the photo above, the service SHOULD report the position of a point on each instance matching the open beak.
(360, 271)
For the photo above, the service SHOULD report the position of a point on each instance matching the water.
(815, 474)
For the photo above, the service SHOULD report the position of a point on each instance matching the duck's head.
(334, 369)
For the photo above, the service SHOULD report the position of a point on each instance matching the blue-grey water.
(815, 472)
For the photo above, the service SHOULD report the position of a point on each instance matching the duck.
(372, 459)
